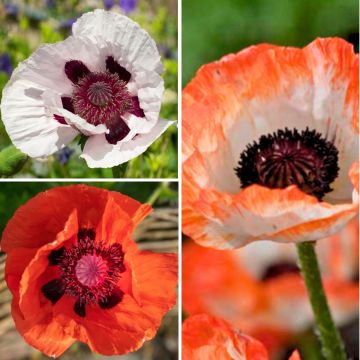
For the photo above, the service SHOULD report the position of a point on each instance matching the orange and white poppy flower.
(270, 145)
(208, 338)
(259, 288)
(76, 274)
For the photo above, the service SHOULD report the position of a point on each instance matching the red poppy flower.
(208, 338)
(270, 145)
(76, 274)
(259, 288)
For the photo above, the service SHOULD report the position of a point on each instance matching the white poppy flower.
(104, 82)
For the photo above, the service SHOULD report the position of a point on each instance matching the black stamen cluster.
(289, 157)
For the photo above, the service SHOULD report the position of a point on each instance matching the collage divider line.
(179, 178)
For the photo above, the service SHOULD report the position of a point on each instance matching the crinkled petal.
(28, 121)
(225, 220)
(133, 45)
(253, 93)
(42, 332)
(117, 225)
(99, 153)
(33, 317)
(28, 109)
(81, 124)
(131, 48)
(136, 318)
(207, 337)
(29, 295)
(47, 212)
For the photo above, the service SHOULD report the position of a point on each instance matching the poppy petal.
(147, 266)
(206, 337)
(16, 263)
(115, 68)
(67, 103)
(112, 300)
(98, 150)
(37, 273)
(53, 290)
(136, 317)
(41, 332)
(79, 308)
(33, 217)
(55, 256)
(229, 98)
(81, 124)
(118, 129)
(224, 220)
(136, 109)
(60, 119)
(110, 27)
(116, 223)
(75, 70)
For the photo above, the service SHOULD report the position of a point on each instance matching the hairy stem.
(331, 343)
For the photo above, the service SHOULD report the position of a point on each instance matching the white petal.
(33, 95)
(28, 122)
(45, 67)
(81, 124)
(132, 47)
(99, 153)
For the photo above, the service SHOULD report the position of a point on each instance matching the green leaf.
(82, 140)
(11, 161)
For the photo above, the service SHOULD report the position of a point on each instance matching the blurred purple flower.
(11, 9)
(67, 24)
(165, 51)
(5, 63)
(63, 156)
(50, 3)
(127, 5)
(108, 4)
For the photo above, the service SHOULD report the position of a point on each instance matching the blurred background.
(213, 28)
(158, 232)
(25, 24)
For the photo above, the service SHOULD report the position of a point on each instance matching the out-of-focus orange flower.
(270, 145)
(260, 290)
(208, 338)
(76, 274)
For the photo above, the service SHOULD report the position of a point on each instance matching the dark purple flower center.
(288, 157)
(89, 272)
(101, 97)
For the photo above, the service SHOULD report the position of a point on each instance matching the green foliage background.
(37, 23)
(213, 28)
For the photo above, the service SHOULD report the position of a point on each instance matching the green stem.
(119, 171)
(331, 343)
(156, 193)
